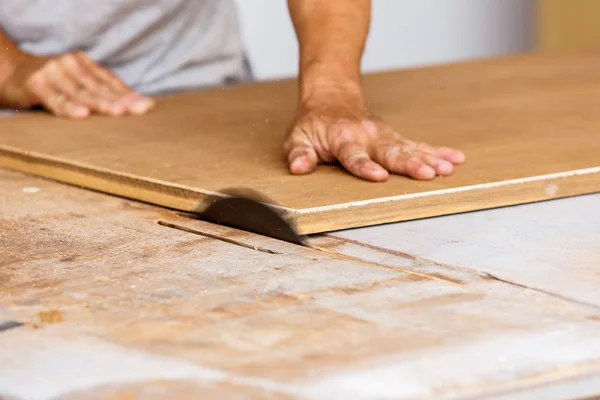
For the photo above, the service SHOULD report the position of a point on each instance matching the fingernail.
(116, 108)
(298, 162)
(301, 165)
(459, 157)
(427, 171)
(141, 105)
(80, 111)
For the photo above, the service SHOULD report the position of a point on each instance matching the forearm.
(10, 55)
(331, 37)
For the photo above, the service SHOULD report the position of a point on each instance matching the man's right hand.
(70, 85)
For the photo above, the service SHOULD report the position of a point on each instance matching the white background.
(404, 33)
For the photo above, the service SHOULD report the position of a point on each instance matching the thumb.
(301, 154)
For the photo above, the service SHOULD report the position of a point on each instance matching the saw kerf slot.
(216, 237)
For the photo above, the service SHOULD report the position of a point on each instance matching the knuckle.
(356, 158)
(391, 154)
(296, 137)
(421, 146)
(50, 65)
(345, 133)
(69, 61)
(410, 149)
(288, 145)
(82, 55)
(342, 133)
(370, 127)
(415, 162)
(90, 83)
(36, 80)
(296, 153)
(342, 128)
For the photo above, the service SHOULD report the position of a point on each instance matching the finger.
(59, 80)
(125, 99)
(441, 166)
(78, 71)
(446, 153)
(101, 103)
(60, 105)
(64, 82)
(85, 88)
(357, 161)
(111, 83)
(101, 90)
(451, 155)
(349, 147)
(109, 80)
(302, 157)
(396, 160)
(53, 99)
(39, 88)
(137, 104)
(70, 109)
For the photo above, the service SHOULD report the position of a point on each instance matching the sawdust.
(51, 316)
(177, 389)
(123, 396)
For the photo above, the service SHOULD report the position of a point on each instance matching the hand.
(70, 85)
(336, 126)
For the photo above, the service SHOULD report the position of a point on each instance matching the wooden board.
(120, 307)
(529, 126)
(568, 24)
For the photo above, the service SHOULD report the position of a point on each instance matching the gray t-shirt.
(153, 45)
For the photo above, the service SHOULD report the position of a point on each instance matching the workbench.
(124, 300)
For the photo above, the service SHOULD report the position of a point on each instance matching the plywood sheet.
(529, 126)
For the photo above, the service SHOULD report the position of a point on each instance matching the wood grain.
(529, 126)
(153, 312)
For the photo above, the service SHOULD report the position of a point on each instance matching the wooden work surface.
(552, 246)
(117, 306)
(529, 126)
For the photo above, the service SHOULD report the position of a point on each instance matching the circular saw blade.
(248, 210)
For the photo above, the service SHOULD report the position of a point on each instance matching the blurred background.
(409, 33)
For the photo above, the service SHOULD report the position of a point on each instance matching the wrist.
(329, 81)
(10, 62)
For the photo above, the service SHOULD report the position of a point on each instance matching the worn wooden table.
(496, 304)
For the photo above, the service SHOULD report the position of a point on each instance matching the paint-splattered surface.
(117, 306)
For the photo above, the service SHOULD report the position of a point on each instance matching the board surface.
(529, 126)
